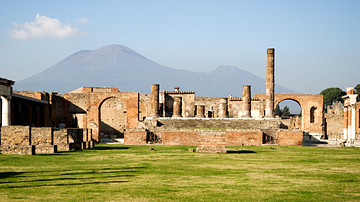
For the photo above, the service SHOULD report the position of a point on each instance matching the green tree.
(357, 91)
(285, 113)
(332, 95)
(277, 110)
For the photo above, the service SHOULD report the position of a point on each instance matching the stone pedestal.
(200, 111)
(177, 107)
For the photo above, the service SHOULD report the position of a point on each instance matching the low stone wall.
(18, 149)
(212, 142)
(31, 140)
(290, 138)
(41, 136)
(15, 135)
(135, 137)
(234, 138)
(179, 137)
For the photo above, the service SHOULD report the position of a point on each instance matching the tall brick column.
(270, 83)
(155, 100)
(246, 100)
(222, 108)
(6, 111)
(177, 107)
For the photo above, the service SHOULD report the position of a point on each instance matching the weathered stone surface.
(41, 136)
(244, 137)
(290, 138)
(135, 137)
(211, 142)
(179, 137)
(61, 137)
(18, 149)
(15, 135)
(41, 149)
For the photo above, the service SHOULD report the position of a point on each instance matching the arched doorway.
(112, 118)
(290, 112)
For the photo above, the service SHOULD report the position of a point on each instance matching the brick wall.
(212, 142)
(135, 137)
(244, 138)
(179, 137)
(290, 138)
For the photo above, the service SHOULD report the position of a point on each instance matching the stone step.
(112, 140)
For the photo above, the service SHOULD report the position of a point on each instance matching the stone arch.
(310, 122)
(112, 118)
(291, 122)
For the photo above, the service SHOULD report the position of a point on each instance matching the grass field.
(169, 173)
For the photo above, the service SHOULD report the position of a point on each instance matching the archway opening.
(112, 119)
(290, 112)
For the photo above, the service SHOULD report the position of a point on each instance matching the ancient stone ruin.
(161, 117)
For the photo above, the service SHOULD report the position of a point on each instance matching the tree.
(285, 113)
(332, 95)
(357, 91)
(277, 110)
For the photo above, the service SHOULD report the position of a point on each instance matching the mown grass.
(169, 173)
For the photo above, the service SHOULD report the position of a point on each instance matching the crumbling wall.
(31, 140)
(211, 104)
(145, 106)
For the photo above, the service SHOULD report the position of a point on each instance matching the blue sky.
(317, 42)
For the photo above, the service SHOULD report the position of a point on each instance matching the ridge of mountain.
(121, 67)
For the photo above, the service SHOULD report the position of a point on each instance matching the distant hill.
(120, 67)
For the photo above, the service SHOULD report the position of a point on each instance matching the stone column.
(270, 83)
(246, 100)
(155, 100)
(177, 107)
(6, 111)
(222, 108)
(200, 111)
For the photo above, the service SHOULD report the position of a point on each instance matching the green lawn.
(169, 173)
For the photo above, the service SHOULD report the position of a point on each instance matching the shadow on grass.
(109, 148)
(9, 174)
(240, 152)
(64, 184)
(68, 172)
(64, 178)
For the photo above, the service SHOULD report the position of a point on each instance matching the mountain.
(120, 67)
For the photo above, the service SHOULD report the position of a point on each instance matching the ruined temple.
(169, 117)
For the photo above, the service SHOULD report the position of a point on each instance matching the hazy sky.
(317, 43)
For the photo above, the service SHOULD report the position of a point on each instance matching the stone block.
(212, 142)
(15, 135)
(135, 137)
(41, 136)
(290, 138)
(41, 149)
(61, 136)
(63, 147)
(179, 137)
(234, 138)
(18, 149)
